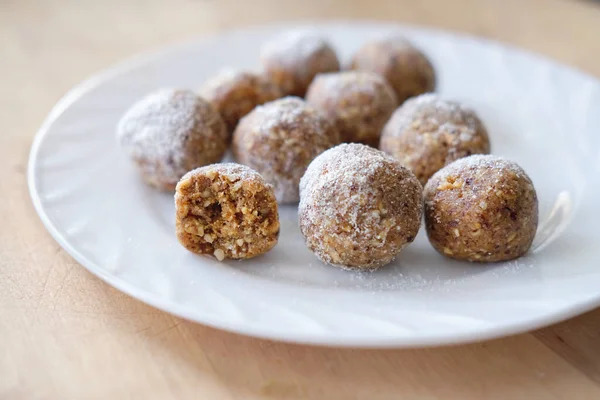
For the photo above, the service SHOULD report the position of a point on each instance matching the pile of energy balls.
(366, 152)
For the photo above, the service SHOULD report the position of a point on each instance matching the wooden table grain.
(64, 334)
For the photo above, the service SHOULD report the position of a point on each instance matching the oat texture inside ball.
(226, 210)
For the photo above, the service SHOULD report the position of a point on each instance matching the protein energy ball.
(404, 66)
(227, 211)
(279, 139)
(358, 207)
(481, 208)
(293, 59)
(236, 93)
(170, 132)
(359, 103)
(427, 132)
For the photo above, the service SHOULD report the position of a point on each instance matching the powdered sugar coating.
(279, 139)
(405, 67)
(235, 93)
(358, 207)
(292, 60)
(428, 132)
(170, 132)
(481, 208)
(358, 102)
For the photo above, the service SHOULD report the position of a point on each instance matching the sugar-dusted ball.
(294, 58)
(170, 132)
(358, 207)
(428, 132)
(279, 139)
(404, 66)
(359, 103)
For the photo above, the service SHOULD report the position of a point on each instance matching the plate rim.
(171, 307)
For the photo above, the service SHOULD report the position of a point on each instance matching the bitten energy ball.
(481, 208)
(279, 139)
(405, 67)
(227, 211)
(358, 207)
(293, 59)
(426, 133)
(170, 132)
(236, 93)
(359, 103)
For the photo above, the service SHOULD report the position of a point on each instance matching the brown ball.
(481, 208)
(279, 139)
(236, 93)
(426, 133)
(293, 59)
(358, 207)
(227, 211)
(170, 132)
(405, 67)
(358, 103)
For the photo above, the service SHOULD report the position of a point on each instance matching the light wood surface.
(64, 334)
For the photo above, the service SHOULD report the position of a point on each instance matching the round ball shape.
(426, 133)
(170, 132)
(279, 139)
(293, 59)
(481, 208)
(404, 66)
(358, 207)
(359, 103)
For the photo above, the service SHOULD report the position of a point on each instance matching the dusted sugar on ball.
(279, 139)
(170, 132)
(358, 207)
(293, 59)
(227, 211)
(481, 208)
(426, 133)
(404, 66)
(359, 103)
(236, 93)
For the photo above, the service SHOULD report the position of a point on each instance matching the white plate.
(543, 115)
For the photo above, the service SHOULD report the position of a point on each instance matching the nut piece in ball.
(227, 211)
(293, 59)
(426, 133)
(405, 67)
(279, 139)
(481, 208)
(359, 103)
(358, 207)
(170, 132)
(236, 93)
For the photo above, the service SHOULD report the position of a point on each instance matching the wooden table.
(64, 334)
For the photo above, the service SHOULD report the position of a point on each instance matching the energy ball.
(358, 207)
(359, 103)
(481, 208)
(404, 66)
(227, 211)
(170, 132)
(279, 139)
(236, 93)
(427, 133)
(293, 59)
